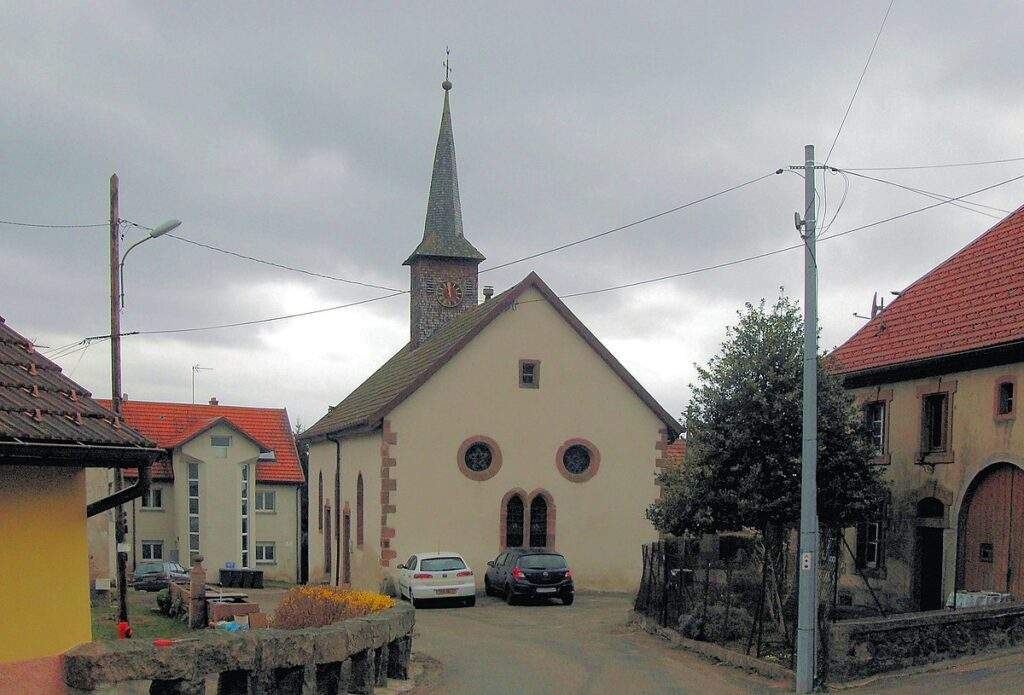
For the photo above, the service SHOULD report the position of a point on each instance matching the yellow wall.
(600, 524)
(977, 440)
(44, 583)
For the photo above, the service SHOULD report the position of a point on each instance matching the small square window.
(152, 550)
(529, 374)
(265, 553)
(266, 501)
(1005, 398)
(153, 499)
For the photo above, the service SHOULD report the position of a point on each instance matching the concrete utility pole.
(807, 625)
(120, 520)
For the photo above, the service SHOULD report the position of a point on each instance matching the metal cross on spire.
(446, 85)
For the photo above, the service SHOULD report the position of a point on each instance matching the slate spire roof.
(972, 301)
(442, 230)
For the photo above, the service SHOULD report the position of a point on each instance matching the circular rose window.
(578, 460)
(478, 457)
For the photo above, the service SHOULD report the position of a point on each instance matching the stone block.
(283, 648)
(217, 652)
(92, 664)
(399, 653)
(331, 643)
(363, 675)
(217, 610)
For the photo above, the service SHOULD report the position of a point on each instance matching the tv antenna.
(195, 369)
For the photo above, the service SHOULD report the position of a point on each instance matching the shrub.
(712, 626)
(163, 601)
(315, 606)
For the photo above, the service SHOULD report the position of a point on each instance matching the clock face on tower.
(449, 294)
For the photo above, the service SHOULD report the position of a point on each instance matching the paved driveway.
(584, 648)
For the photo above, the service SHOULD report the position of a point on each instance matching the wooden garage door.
(994, 536)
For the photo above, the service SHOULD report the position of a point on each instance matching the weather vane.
(446, 85)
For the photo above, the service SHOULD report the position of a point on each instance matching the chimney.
(488, 292)
(214, 401)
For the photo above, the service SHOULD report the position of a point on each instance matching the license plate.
(443, 592)
(547, 590)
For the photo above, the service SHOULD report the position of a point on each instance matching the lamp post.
(116, 304)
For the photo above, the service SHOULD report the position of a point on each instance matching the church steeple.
(442, 230)
(444, 266)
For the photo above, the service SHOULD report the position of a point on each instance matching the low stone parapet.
(347, 657)
(862, 647)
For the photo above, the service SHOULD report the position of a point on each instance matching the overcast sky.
(305, 134)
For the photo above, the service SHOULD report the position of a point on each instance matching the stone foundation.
(351, 656)
(858, 648)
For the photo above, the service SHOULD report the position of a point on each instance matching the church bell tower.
(444, 267)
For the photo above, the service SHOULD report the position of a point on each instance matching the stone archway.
(990, 552)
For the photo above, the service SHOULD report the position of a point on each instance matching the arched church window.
(514, 522)
(539, 522)
(320, 502)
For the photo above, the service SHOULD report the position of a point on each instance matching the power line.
(655, 216)
(53, 226)
(936, 166)
(937, 196)
(859, 81)
(766, 254)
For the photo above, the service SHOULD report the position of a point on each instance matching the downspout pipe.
(337, 511)
(138, 489)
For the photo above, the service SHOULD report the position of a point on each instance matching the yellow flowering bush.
(315, 606)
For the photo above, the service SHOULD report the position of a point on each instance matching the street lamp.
(159, 230)
(116, 304)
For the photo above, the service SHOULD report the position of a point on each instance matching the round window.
(478, 457)
(576, 459)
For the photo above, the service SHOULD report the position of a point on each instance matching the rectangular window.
(265, 553)
(935, 429)
(1005, 398)
(245, 516)
(153, 499)
(529, 374)
(193, 508)
(152, 550)
(266, 501)
(220, 444)
(874, 415)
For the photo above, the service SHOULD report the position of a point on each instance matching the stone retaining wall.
(352, 656)
(862, 647)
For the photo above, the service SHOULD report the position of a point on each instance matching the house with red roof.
(227, 488)
(938, 374)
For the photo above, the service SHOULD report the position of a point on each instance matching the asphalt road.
(550, 648)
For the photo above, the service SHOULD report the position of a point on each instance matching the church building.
(500, 424)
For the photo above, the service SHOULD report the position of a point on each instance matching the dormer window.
(220, 444)
(529, 374)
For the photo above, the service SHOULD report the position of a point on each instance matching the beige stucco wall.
(977, 440)
(100, 528)
(279, 527)
(155, 525)
(322, 458)
(599, 525)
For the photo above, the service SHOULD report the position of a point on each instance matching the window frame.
(595, 460)
(159, 545)
(147, 499)
(878, 521)
(487, 473)
(259, 546)
(927, 454)
(534, 383)
(879, 395)
(260, 501)
(997, 402)
(196, 548)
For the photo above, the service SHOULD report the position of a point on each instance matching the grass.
(146, 622)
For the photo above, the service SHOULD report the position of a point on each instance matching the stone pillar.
(380, 666)
(363, 673)
(333, 678)
(399, 652)
(177, 687)
(197, 595)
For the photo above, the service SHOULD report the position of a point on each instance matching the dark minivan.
(529, 573)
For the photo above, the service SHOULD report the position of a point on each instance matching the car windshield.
(542, 562)
(442, 564)
(149, 568)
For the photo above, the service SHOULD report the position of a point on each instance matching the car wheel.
(487, 588)
(567, 599)
(471, 601)
(510, 597)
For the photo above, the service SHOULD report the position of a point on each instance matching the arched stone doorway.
(991, 548)
(931, 513)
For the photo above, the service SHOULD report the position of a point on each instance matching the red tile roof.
(172, 424)
(973, 300)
